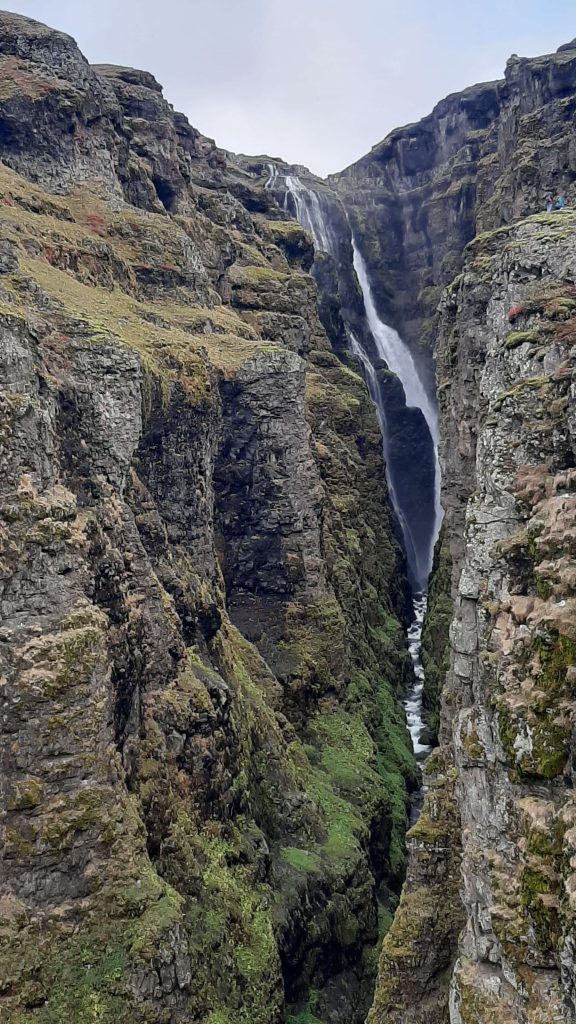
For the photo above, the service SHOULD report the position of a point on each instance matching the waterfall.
(413, 701)
(308, 207)
(272, 176)
(398, 358)
(309, 213)
(376, 396)
(393, 350)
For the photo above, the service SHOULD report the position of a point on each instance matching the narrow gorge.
(287, 561)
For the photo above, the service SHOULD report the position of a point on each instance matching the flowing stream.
(390, 347)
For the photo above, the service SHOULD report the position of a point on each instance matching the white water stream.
(413, 701)
(398, 358)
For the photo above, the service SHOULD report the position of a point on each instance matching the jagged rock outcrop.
(205, 766)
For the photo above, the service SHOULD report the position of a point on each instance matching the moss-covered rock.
(208, 771)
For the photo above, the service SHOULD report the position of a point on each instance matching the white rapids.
(413, 701)
(413, 704)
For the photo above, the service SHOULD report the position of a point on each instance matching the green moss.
(87, 977)
(536, 743)
(155, 922)
(427, 922)
(346, 829)
(556, 654)
(28, 795)
(287, 234)
(431, 830)
(302, 860)
(77, 812)
(543, 588)
(385, 919)
(78, 656)
(255, 276)
(540, 899)
(306, 1017)
(516, 338)
(233, 920)
(528, 384)
(100, 306)
(19, 842)
(547, 842)
(84, 978)
(435, 635)
(313, 646)
(472, 745)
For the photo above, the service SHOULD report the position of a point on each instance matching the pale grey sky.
(317, 82)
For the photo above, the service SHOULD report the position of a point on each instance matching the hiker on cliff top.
(560, 202)
(549, 203)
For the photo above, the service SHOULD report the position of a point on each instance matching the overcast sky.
(316, 82)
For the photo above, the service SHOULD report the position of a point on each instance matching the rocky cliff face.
(483, 158)
(205, 767)
(507, 348)
(501, 787)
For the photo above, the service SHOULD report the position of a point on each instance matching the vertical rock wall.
(507, 352)
(501, 785)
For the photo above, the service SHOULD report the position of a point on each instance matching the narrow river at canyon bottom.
(413, 703)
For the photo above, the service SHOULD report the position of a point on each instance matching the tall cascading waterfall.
(419, 415)
(399, 360)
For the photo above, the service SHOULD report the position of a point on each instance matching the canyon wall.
(485, 929)
(205, 765)
(484, 157)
